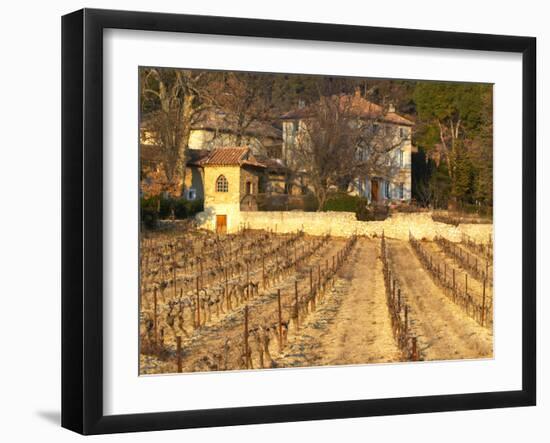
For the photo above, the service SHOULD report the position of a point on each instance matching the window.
(400, 158)
(248, 188)
(387, 189)
(401, 187)
(221, 184)
(191, 194)
(295, 127)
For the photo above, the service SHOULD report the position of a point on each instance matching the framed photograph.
(269, 221)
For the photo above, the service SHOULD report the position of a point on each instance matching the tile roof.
(357, 105)
(235, 156)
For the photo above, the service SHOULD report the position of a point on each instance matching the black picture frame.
(82, 218)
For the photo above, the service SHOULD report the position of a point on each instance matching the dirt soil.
(444, 331)
(353, 327)
(351, 323)
(475, 286)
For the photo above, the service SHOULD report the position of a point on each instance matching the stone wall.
(344, 224)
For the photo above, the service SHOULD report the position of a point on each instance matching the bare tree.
(424, 192)
(175, 98)
(337, 143)
(245, 97)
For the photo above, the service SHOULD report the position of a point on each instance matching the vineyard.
(258, 299)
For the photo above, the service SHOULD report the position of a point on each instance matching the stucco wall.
(344, 224)
(249, 175)
(211, 174)
(221, 203)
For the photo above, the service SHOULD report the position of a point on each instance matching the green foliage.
(441, 101)
(194, 207)
(149, 211)
(440, 185)
(342, 202)
(181, 207)
(359, 205)
(286, 202)
(464, 173)
(157, 208)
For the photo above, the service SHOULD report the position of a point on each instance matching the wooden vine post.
(200, 263)
(398, 300)
(174, 278)
(297, 307)
(454, 281)
(178, 353)
(263, 271)
(198, 306)
(280, 318)
(246, 352)
(155, 321)
(483, 304)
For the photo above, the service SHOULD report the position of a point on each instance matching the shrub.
(165, 207)
(343, 202)
(149, 211)
(375, 212)
(181, 207)
(310, 203)
(193, 207)
(286, 202)
(157, 208)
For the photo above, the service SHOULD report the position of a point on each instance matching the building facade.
(231, 185)
(395, 130)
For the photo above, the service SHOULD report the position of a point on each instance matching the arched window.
(221, 184)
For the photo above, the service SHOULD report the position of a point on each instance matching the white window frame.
(224, 186)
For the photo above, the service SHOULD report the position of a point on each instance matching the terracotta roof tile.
(235, 156)
(358, 106)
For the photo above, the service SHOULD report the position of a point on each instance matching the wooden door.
(221, 224)
(374, 190)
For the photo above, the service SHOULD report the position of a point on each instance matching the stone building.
(216, 129)
(397, 135)
(231, 180)
(212, 130)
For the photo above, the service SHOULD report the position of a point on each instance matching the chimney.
(391, 107)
